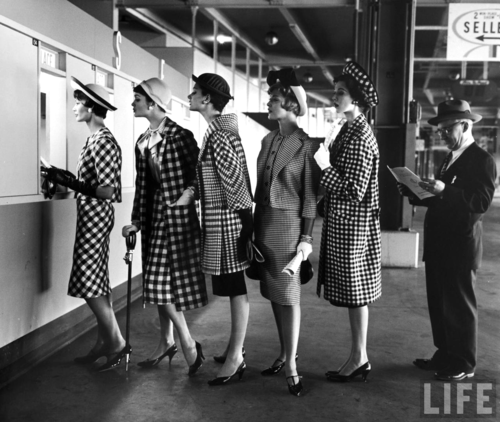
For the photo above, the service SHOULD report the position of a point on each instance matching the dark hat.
(287, 78)
(95, 92)
(454, 109)
(213, 83)
(365, 83)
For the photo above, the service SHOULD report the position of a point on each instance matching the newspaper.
(294, 265)
(405, 176)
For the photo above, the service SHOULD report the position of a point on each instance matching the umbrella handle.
(130, 241)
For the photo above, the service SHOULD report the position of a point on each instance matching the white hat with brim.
(158, 91)
(95, 92)
(287, 77)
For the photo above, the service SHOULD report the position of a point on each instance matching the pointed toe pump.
(273, 370)
(225, 380)
(222, 359)
(295, 389)
(198, 362)
(114, 359)
(363, 370)
(149, 363)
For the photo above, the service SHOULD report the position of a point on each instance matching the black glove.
(246, 231)
(68, 179)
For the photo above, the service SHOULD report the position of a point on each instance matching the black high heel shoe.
(149, 363)
(225, 380)
(222, 359)
(295, 389)
(91, 357)
(363, 370)
(198, 362)
(114, 359)
(273, 370)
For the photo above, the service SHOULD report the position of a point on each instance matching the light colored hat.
(454, 109)
(288, 78)
(95, 92)
(158, 91)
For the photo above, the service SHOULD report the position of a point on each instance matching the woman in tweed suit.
(97, 186)
(349, 266)
(224, 192)
(287, 181)
(164, 211)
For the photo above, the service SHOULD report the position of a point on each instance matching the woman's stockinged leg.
(240, 308)
(166, 333)
(109, 331)
(278, 317)
(188, 345)
(291, 330)
(358, 318)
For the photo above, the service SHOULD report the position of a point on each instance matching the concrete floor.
(58, 390)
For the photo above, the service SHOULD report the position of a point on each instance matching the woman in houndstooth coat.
(349, 267)
(97, 186)
(164, 211)
(226, 213)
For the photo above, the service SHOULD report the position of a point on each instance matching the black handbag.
(256, 258)
(306, 271)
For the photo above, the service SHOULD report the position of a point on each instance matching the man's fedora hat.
(452, 110)
(95, 92)
(213, 83)
(158, 91)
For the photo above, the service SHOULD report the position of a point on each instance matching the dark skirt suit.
(99, 164)
(349, 264)
(287, 183)
(170, 236)
(224, 188)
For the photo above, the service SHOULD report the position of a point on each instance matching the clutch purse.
(256, 258)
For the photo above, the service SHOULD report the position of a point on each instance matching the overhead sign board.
(473, 32)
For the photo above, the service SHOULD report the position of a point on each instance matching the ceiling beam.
(214, 14)
(304, 40)
(283, 61)
(240, 4)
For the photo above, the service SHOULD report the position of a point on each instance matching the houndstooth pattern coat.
(178, 151)
(349, 266)
(224, 187)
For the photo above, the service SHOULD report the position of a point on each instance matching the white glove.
(305, 248)
(186, 198)
(322, 157)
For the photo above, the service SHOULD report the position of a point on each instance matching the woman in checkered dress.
(287, 182)
(349, 267)
(97, 186)
(226, 213)
(164, 210)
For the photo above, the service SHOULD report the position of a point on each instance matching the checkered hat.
(365, 83)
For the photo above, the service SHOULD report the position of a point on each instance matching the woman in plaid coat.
(97, 186)
(287, 183)
(349, 267)
(164, 211)
(226, 213)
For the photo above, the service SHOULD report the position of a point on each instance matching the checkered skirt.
(89, 274)
(277, 234)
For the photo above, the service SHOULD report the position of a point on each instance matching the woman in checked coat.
(164, 211)
(226, 201)
(287, 183)
(349, 267)
(97, 186)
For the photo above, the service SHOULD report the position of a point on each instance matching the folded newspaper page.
(405, 176)
(294, 265)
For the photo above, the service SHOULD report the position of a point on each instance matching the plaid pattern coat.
(349, 266)
(224, 187)
(178, 151)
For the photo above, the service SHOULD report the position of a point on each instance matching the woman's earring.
(355, 102)
(150, 107)
(90, 110)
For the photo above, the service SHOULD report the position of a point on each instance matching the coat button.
(268, 167)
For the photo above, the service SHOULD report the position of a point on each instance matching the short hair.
(97, 109)
(290, 103)
(217, 100)
(354, 91)
(140, 90)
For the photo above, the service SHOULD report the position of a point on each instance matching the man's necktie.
(445, 164)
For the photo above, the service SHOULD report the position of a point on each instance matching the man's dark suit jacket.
(453, 223)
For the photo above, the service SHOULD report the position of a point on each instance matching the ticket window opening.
(52, 133)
